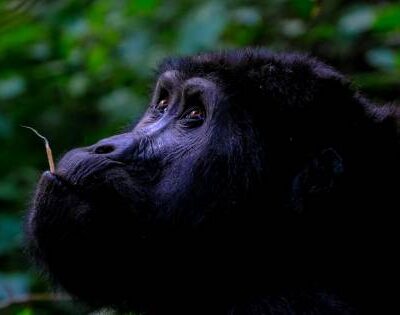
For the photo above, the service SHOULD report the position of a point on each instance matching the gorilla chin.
(255, 183)
(82, 228)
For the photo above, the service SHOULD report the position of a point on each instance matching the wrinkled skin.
(255, 183)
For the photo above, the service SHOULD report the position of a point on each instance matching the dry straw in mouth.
(48, 149)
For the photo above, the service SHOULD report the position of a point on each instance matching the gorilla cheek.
(57, 212)
(67, 237)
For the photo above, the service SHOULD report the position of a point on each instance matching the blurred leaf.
(11, 87)
(142, 6)
(13, 185)
(377, 80)
(40, 51)
(133, 50)
(25, 311)
(293, 27)
(387, 18)
(321, 32)
(97, 59)
(246, 16)
(74, 56)
(357, 20)
(8, 191)
(13, 284)
(10, 228)
(202, 27)
(98, 10)
(77, 29)
(382, 58)
(121, 105)
(5, 127)
(20, 36)
(78, 84)
(303, 8)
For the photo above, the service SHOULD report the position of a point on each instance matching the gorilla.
(255, 183)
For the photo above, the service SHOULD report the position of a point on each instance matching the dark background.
(81, 70)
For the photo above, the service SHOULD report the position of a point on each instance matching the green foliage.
(80, 70)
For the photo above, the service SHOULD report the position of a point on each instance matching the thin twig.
(48, 149)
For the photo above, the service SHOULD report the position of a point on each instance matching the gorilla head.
(252, 183)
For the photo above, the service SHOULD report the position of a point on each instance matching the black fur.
(279, 198)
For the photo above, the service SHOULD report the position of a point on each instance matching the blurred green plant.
(79, 70)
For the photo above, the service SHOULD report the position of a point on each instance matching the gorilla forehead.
(170, 79)
(237, 63)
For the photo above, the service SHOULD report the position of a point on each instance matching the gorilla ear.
(318, 178)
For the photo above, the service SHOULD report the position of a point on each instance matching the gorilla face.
(234, 172)
(119, 215)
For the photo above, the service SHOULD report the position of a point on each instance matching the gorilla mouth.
(84, 172)
(79, 201)
(72, 221)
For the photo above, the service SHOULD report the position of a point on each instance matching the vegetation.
(79, 70)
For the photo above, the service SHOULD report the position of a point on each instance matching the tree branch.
(31, 298)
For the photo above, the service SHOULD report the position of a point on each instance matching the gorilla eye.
(163, 100)
(196, 114)
(162, 105)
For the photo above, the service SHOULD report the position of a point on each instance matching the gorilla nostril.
(104, 149)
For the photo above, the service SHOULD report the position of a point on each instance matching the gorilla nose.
(104, 149)
(117, 147)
